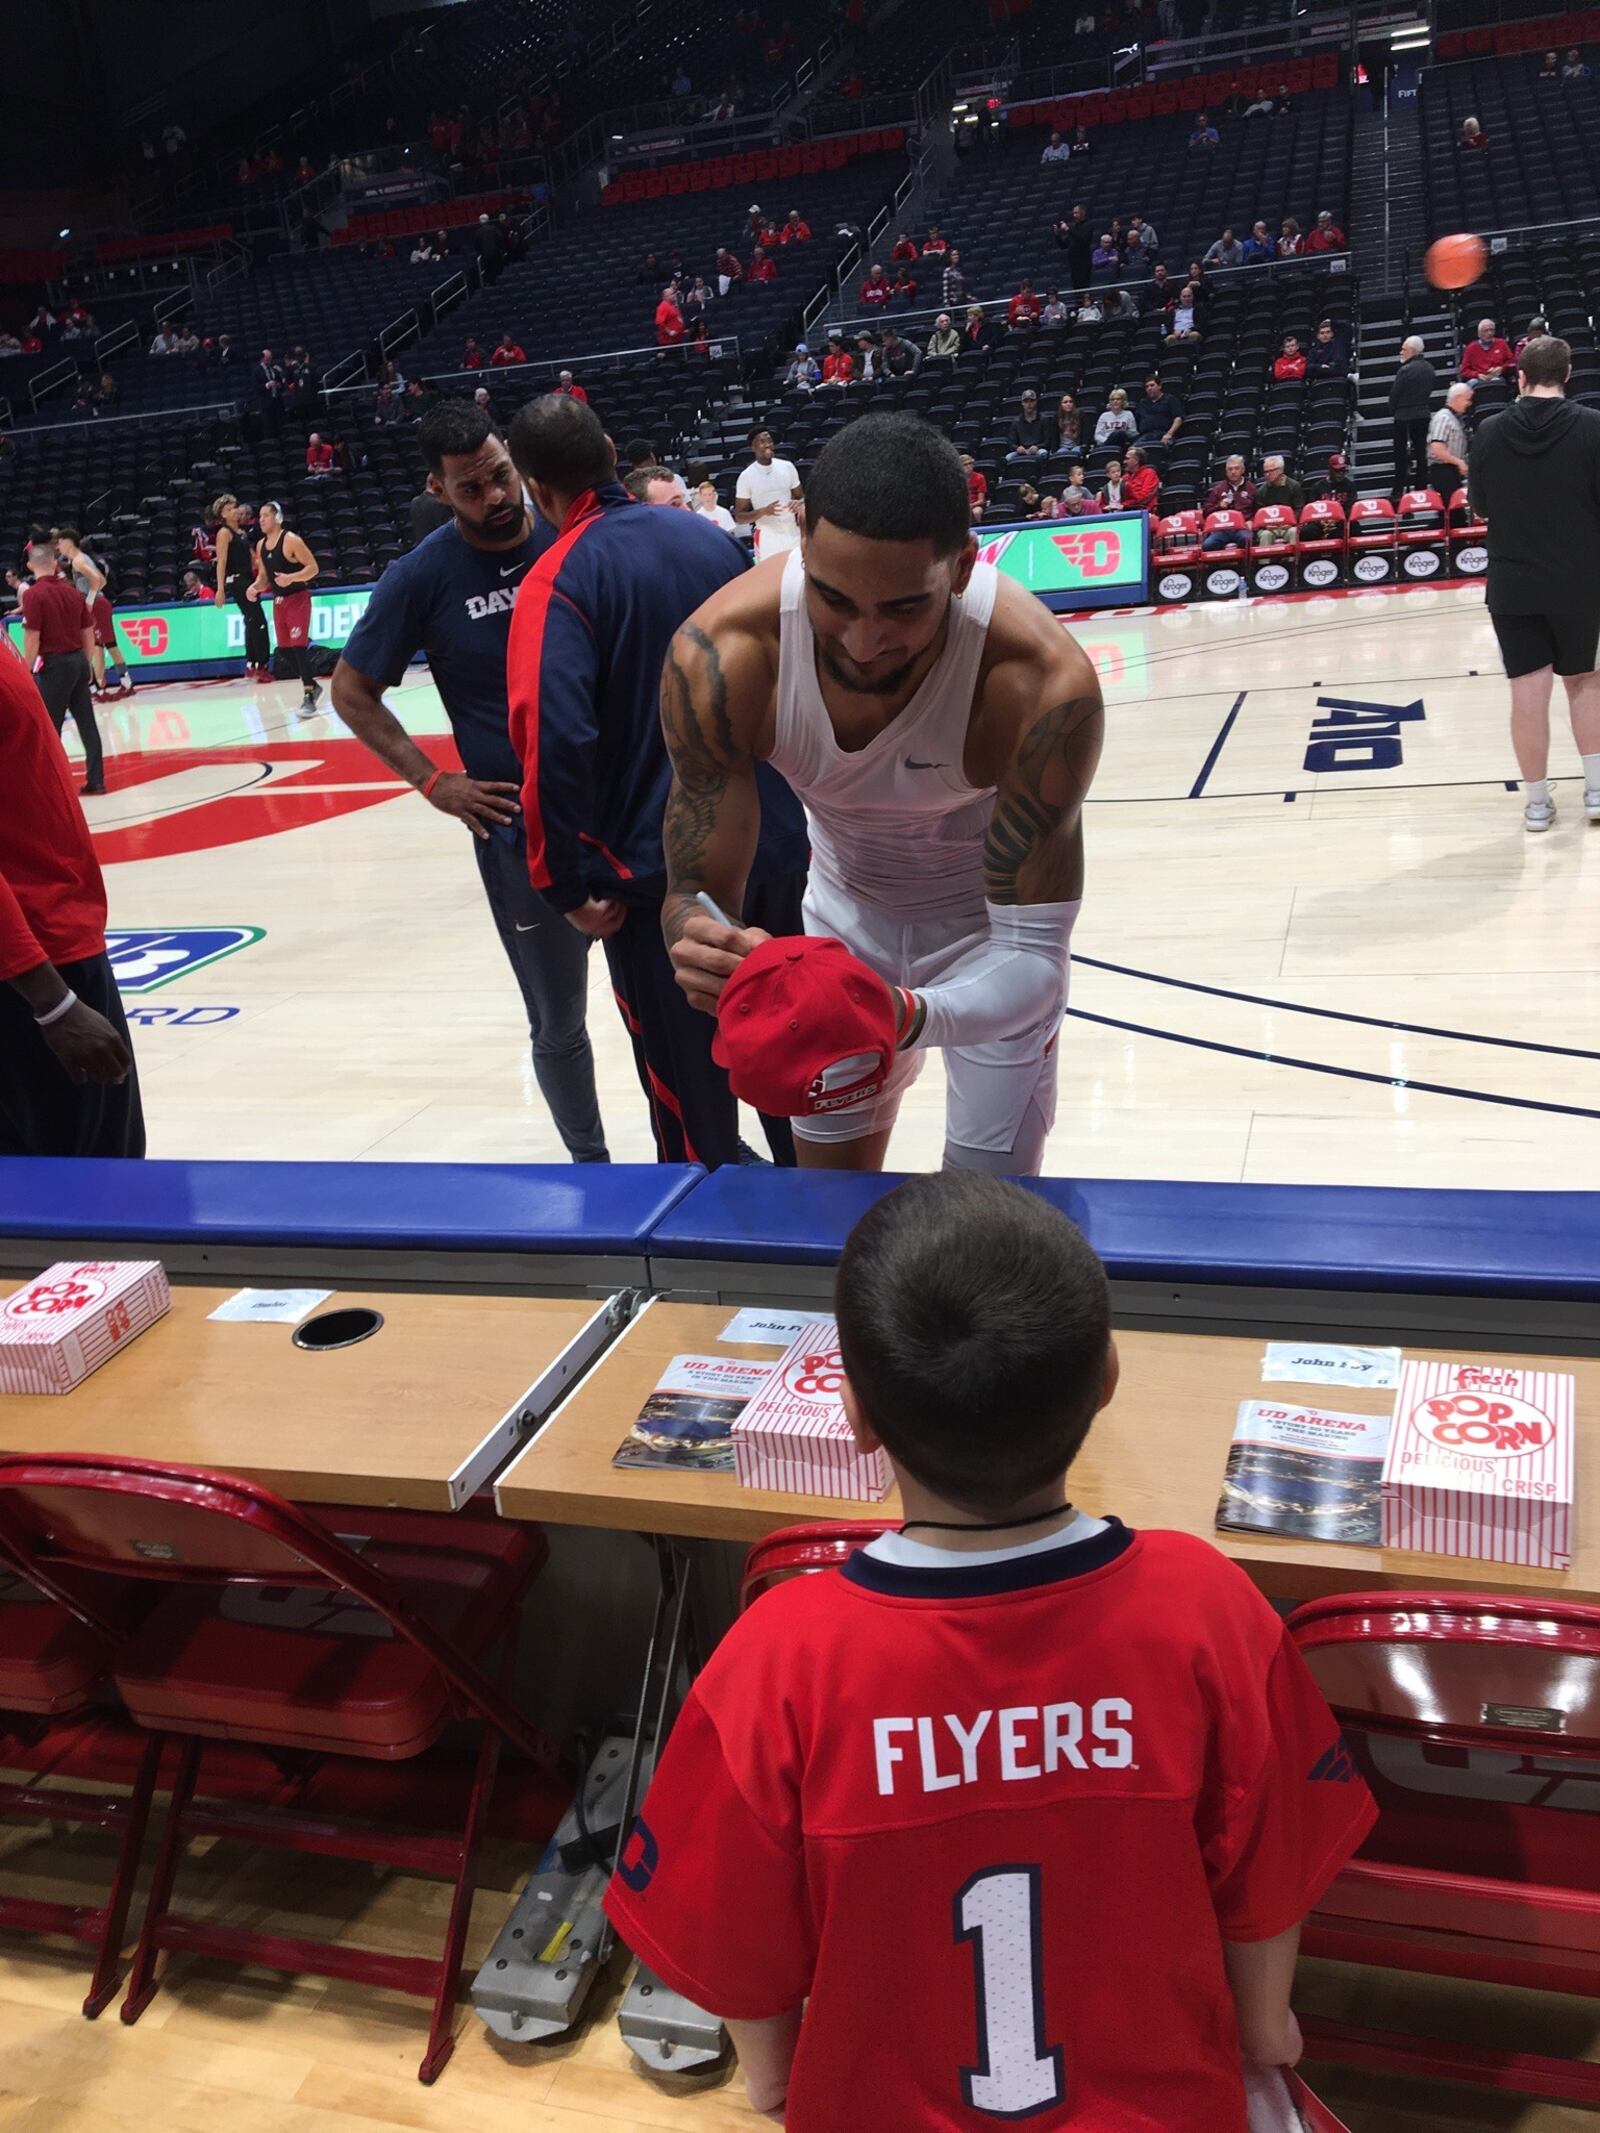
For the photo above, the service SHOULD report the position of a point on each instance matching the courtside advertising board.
(1073, 563)
(181, 640)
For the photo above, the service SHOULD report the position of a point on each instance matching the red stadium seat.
(1371, 540)
(1423, 534)
(1176, 556)
(54, 1667)
(1322, 544)
(1476, 1721)
(1274, 548)
(270, 1627)
(1224, 567)
(794, 1550)
(1469, 552)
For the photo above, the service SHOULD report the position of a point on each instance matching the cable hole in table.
(338, 1329)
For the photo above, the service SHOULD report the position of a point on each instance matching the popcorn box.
(68, 1320)
(793, 1434)
(1481, 1462)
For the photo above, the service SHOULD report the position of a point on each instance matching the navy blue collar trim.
(1051, 1566)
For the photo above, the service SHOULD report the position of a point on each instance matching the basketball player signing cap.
(804, 1027)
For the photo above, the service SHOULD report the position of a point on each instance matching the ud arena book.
(687, 1421)
(1306, 1472)
(70, 1319)
(793, 1436)
(1482, 1463)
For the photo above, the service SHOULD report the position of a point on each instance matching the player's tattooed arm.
(713, 812)
(1033, 852)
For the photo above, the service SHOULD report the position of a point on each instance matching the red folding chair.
(1322, 543)
(1476, 1721)
(793, 1551)
(1422, 534)
(1469, 539)
(1176, 556)
(53, 1672)
(269, 1627)
(1370, 538)
(1274, 548)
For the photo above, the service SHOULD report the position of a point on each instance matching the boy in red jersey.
(1021, 1808)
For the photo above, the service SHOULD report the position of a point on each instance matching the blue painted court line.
(1217, 746)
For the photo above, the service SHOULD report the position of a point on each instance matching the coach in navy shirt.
(452, 599)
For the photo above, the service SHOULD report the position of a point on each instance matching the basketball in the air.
(1455, 262)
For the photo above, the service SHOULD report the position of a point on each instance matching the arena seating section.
(1542, 164)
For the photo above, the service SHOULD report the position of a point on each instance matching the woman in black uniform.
(236, 572)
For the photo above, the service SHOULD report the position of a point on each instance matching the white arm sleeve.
(1008, 983)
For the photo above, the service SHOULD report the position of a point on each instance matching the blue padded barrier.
(580, 1208)
(1264, 1236)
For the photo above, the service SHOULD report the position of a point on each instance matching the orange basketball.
(1455, 262)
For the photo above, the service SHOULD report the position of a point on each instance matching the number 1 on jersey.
(1018, 2075)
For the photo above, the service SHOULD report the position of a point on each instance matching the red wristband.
(429, 783)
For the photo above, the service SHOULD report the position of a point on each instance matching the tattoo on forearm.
(1039, 797)
(699, 735)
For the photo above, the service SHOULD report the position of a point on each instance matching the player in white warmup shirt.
(767, 497)
(942, 729)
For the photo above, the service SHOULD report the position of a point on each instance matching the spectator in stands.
(697, 300)
(729, 271)
(876, 290)
(1022, 313)
(1234, 492)
(1029, 432)
(1117, 421)
(755, 223)
(1077, 498)
(483, 403)
(108, 391)
(43, 323)
(1120, 303)
(1263, 107)
(1410, 406)
(1161, 293)
(196, 588)
(1109, 496)
(1053, 312)
(977, 487)
(1290, 242)
(1472, 135)
(1226, 251)
(11, 345)
(1185, 324)
(1258, 246)
(1205, 135)
(944, 343)
(414, 401)
(1336, 484)
(1030, 504)
(423, 253)
(185, 341)
(1549, 67)
(1327, 352)
(670, 329)
(868, 369)
(1075, 236)
(1447, 440)
(1159, 417)
(1538, 327)
(1056, 150)
(569, 387)
(952, 281)
(1489, 356)
(796, 229)
(934, 245)
(161, 345)
(268, 381)
(658, 485)
(1141, 243)
(704, 503)
(319, 457)
(472, 354)
(976, 332)
(904, 291)
(1327, 236)
(838, 365)
(898, 358)
(905, 247)
(1574, 67)
(1289, 366)
(762, 268)
(1105, 261)
(1067, 427)
(1278, 487)
(650, 270)
(508, 349)
(803, 373)
(387, 413)
(1090, 311)
(1141, 484)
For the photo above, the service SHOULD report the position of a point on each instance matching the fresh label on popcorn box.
(1482, 1463)
(794, 1436)
(70, 1319)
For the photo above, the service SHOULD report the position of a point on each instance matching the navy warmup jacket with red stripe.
(589, 637)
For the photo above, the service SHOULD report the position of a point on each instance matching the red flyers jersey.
(992, 1824)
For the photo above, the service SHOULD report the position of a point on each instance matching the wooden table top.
(1155, 1457)
(414, 1417)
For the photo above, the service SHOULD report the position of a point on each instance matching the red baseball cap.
(804, 1027)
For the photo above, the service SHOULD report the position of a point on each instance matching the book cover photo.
(1310, 1473)
(687, 1421)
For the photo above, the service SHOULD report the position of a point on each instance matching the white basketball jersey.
(895, 823)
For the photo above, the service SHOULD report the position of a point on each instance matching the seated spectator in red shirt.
(570, 391)
(905, 289)
(508, 349)
(729, 271)
(319, 456)
(933, 245)
(1292, 363)
(669, 320)
(1234, 492)
(796, 230)
(877, 288)
(904, 247)
(838, 365)
(761, 268)
(196, 587)
(1023, 309)
(472, 354)
(977, 487)
(1472, 135)
(1489, 356)
(1141, 484)
(1327, 236)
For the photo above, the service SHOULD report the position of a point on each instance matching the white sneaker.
(1591, 805)
(1538, 815)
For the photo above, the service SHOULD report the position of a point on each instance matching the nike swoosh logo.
(507, 568)
(529, 929)
(913, 764)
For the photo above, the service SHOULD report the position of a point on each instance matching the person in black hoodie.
(1535, 480)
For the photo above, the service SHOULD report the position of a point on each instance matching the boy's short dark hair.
(974, 1325)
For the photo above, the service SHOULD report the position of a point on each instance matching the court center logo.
(145, 959)
(1349, 734)
(166, 801)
